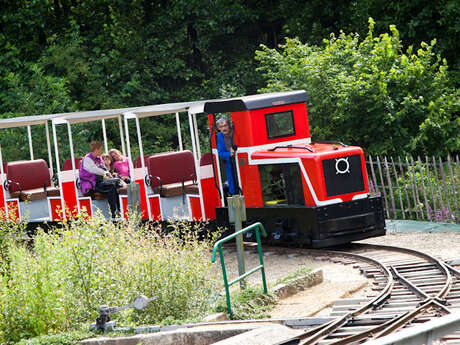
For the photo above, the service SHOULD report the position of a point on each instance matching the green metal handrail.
(258, 228)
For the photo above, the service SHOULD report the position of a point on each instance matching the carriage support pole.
(237, 215)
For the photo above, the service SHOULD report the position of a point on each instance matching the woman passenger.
(120, 165)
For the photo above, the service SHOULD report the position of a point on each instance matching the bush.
(70, 272)
(10, 232)
(251, 303)
(70, 338)
(370, 92)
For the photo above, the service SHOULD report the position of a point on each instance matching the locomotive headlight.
(342, 166)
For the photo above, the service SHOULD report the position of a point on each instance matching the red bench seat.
(68, 163)
(172, 173)
(30, 180)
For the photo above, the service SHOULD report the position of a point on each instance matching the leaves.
(59, 283)
(370, 92)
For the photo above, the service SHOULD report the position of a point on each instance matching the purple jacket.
(87, 179)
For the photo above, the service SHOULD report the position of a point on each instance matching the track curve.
(410, 287)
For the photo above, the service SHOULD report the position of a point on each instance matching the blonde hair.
(112, 151)
(106, 155)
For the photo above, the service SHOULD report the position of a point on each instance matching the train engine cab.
(306, 193)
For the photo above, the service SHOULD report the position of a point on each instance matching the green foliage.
(300, 272)
(418, 21)
(59, 283)
(369, 92)
(10, 232)
(251, 303)
(29, 92)
(69, 338)
(87, 55)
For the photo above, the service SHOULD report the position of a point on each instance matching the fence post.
(390, 186)
(399, 189)
(406, 194)
(453, 184)
(416, 188)
(374, 180)
(435, 210)
(423, 188)
(441, 168)
(383, 187)
(441, 202)
(237, 214)
(412, 183)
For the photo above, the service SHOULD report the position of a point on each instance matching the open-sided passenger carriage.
(305, 193)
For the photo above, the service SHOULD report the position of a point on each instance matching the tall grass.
(58, 283)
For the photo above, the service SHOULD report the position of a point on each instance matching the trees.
(370, 92)
(418, 21)
(106, 54)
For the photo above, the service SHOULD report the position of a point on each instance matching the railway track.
(409, 287)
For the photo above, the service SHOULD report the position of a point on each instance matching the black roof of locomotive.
(265, 100)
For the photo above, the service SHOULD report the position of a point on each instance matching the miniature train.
(312, 194)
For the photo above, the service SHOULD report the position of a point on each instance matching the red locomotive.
(305, 193)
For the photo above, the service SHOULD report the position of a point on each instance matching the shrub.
(70, 338)
(10, 232)
(71, 271)
(371, 92)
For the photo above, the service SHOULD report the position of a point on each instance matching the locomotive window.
(280, 124)
(281, 184)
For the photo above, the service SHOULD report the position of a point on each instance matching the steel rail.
(410, 316)
(453, 270)
(400, 321)
(419, 292)
(442, 266)
(314, 335)
(390, 326)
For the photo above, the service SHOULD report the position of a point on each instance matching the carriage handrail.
(211, 133)
(218, 245)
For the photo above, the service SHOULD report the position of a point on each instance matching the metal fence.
(423, 189)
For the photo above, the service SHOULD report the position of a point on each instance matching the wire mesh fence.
(420, 189)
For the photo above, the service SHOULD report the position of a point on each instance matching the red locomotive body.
(306, 193)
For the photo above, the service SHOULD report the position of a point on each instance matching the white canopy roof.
(25, 121)
(93, 115)
(144, 111)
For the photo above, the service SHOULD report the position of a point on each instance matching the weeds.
(300, 272)
(59, 282)
(251, 303)
(70, 338)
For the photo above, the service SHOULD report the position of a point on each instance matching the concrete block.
(266, 335)
(184, 336)
(298, 284)
(216, 317)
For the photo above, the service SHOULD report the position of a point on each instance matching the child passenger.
(108, 161)
(120, 165)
